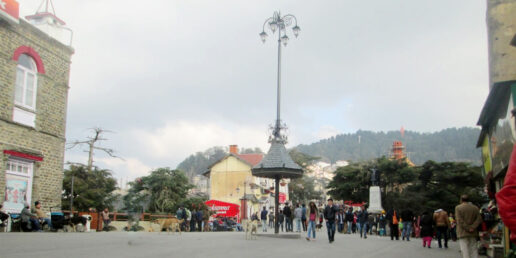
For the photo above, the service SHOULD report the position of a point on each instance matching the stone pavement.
(209, 244)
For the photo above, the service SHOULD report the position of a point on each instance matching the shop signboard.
(10, 10)
(223, 209)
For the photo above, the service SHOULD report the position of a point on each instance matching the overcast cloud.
(175, 77)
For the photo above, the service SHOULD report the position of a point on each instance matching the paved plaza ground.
(209, 244)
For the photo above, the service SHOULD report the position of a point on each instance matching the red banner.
(282, 197)
(223, 209)
(10, 9)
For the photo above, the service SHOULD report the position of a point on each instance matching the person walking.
(453, 228)
(298, 214)
(363, 220)
(288, 217)
(468, 219)
(281, 219)
(271, 218)
(442, 223)
(263, 218)
(199, 218)
(427, 229)
(330, 212)
(340, 219)
(313, 216)
(382, 222)
(303, 218)
(193, 219)
(407, 217)
(392, 217)
(349, 219)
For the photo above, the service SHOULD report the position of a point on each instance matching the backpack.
(394, 219)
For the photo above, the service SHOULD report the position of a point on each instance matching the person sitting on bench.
(29, 218)
(42, 217)
(3, 218)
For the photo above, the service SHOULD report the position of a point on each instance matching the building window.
(18, 184)
(26, 82)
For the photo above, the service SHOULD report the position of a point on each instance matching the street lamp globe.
(263, 36)
(273, 25)
(296, 30)
(284, 40)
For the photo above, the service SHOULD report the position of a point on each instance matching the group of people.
(35, 218)
(463, 226)
(193, 220)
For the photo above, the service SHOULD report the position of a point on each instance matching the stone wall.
(501, 28)
(47, 139)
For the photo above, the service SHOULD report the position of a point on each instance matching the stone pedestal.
(375, 200)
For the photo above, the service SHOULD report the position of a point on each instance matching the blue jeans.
(288, 225)
(407, 230)
(311, 227)
(330, 226)
(363, 230)
(48, 221)
(341, 227)
(350, 225)
(35, 224)
(298, 224)
(359, 228)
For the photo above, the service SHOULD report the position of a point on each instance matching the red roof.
(252, 159)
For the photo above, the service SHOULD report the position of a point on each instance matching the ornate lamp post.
(278, 164)
(280, 24)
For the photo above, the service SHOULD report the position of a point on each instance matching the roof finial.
(46, 4)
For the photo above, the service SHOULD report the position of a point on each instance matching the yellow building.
(230, 180)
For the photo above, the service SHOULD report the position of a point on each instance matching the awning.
(23, 155)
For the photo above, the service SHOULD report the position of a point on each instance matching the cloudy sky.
(175, 77)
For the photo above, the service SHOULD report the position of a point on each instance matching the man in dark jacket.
(407, 216)
(349, 219)
(288, 218)
(263, 218)
(199, 218)
(330, 212)
(363, 219)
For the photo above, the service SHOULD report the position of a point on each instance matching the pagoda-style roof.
(276, 163)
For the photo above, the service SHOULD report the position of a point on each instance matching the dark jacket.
(427, 226)
(281, 218)
(199, 215)
(349, 216)
(363, 217)
(263, 215)
(407, 216)
(287, 212)
(330, 212)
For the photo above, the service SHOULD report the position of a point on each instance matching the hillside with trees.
(452, 144)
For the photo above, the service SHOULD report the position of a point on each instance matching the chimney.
(233, 149)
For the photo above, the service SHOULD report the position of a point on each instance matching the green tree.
(302, 190)
(92, 189)
(351, 183)
(161, 191)
(441, 184)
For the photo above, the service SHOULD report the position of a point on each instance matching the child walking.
(427, 230)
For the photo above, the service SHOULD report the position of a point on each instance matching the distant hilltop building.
(34, 84)
(398, 153)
